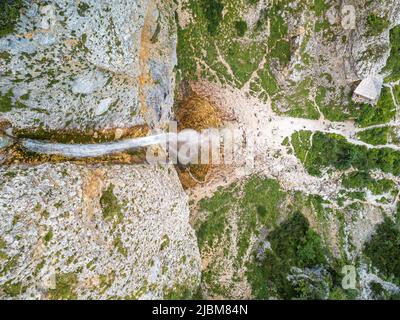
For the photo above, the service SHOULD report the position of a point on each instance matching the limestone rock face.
(345, 44)
(371, 48)
(71, 231)
(92, 231)
(89, 64)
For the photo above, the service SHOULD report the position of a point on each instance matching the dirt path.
(270, 156)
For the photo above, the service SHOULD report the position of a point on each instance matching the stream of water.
(97, 149)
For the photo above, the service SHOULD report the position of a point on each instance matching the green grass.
(245, 210)
(301, 104)
(259, 206)
(340, 107)
(243, 60)
(217, 208)
(320, 7)
(376, 24)
(13, 289)
(82, 8)
(3, 245)
(48, 236)
(281, 51)
(396, 92)
(119, 245)
(213, 34)
(65, 287)
(266, 81)
(230, 41)
(6, 56)
(301, 143)
(179, 292)
(254, 204)
(277, 41)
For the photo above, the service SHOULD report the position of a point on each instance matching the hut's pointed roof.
(370, 88)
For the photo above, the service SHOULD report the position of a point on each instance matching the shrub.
(9, 15)
(382, 112)
(376, 136)
(241, 27)
(393, 63)
(361, 179)
(332, 150)
(110, 205)
(6, 101)
(320, 7)
(383, 249)
(213, 12)
(379, 292)
(376, 24)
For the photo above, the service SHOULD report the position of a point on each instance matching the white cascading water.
(98, 149)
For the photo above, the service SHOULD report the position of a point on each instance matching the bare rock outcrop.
(95, 232)
(89, 64)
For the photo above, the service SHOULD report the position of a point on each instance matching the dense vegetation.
(382, 112)
(241, 27)
(260, 206)
(375, 136)
(320, 6)
(65, 287)
(258, 203)
(383, 249)
(393, 63)
(220, 37)
(331, 150)
(293, 244)
(232, 50)
(361, 180)
(9, 15)
(213, 12)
